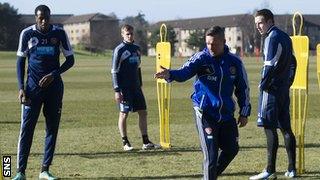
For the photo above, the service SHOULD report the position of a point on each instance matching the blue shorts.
(133, 100)
(273, 110)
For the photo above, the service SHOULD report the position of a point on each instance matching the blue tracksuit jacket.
(217, 79)
(279, 61)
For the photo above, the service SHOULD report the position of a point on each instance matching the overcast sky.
(157, 10)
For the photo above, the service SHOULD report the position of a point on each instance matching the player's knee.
(143, 113)
(123, 115)
(233, 151)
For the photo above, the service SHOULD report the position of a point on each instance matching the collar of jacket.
(270, 29)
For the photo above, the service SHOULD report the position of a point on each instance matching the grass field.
(89, 145)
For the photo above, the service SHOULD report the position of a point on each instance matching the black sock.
(125, 140)
(145, 139)
(44, 168)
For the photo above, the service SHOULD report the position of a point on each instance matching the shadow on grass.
(308, 175)
(93, 155)
(174, 151)
(195, 176)
(10, 122)
(308, 145)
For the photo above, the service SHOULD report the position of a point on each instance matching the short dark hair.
(215, 30)
(266, 13)
(127, 27)
(42, 8)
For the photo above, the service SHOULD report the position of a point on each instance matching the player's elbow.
(70, 60)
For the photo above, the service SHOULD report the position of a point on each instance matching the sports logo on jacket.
(233, 71)
(135, 58)
(33, 42)
(54, 41)
(125, 55)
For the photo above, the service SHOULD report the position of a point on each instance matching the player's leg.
(267, 118)
(29, 117)
(52, 108)
(125, 107)
(208, 135)
(143, 122)
(289, 138)
(290, 144)
(272, 148)
(139, 106)
(122, 125)
(228, 141)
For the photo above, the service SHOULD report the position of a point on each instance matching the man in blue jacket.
(41, 44)
(219, 75)
(277, 76)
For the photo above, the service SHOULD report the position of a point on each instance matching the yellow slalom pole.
(163, 58)
(300, 88)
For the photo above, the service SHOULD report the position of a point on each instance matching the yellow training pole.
(163, 58)
(300, 90)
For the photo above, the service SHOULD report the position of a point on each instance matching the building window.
(229, 38)
(71, 31)
(83, 30)
(77, 31)
(238, 38)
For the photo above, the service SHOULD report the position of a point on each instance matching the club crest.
(54, 41)
(233, 70)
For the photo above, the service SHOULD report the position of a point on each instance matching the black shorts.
(133, 100)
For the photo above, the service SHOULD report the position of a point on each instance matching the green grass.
(89, 144)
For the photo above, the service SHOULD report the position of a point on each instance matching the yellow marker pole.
(300, 90)
(163, 58)
(318, 64)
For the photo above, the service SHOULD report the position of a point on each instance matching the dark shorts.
(273, 110)
(133, 100)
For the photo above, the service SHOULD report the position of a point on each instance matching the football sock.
(290, 144)
(145, 139)
(44, 168)
(125, 140)
(23, 171)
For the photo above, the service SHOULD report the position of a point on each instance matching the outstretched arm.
(187, 71)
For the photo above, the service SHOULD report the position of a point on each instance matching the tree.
(10, 26)
(196, 40)
(140, 30)
(171, 37)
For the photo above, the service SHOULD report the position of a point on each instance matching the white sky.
(157, 10)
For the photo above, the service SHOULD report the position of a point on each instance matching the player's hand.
(46, 80)
(162, 74)
(118, 97)
(242, 121)
(22, 97)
